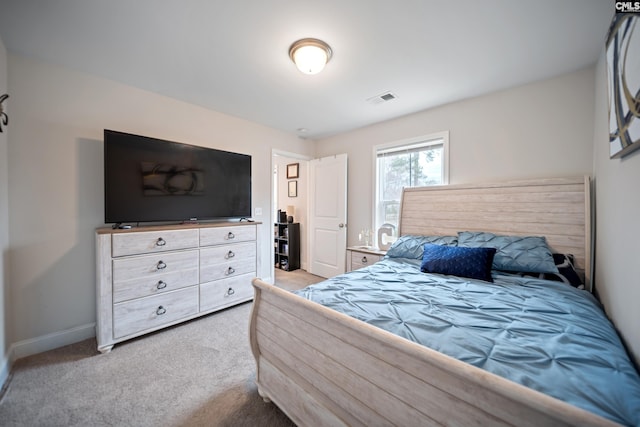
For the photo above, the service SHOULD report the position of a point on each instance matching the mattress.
(545, 335)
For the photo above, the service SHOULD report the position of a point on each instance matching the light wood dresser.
(152, 277)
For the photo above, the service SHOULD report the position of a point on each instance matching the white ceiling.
(232, 56)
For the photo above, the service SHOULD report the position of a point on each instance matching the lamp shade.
(310, 55)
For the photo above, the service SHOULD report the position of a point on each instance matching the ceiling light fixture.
(310, 55)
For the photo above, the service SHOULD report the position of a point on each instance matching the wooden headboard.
(557, 208)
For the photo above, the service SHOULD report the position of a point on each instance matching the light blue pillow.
(514, 253)
(410, 246)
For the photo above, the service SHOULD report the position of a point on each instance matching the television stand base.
(120, 226)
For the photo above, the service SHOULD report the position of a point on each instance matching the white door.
(328, 215)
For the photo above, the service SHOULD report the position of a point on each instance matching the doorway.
(309, 196)
(289, 215)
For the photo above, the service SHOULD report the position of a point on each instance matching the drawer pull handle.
(364, 260)
(161, 265)
(230, 270)
(161, 242)
(230, 291)
(161, 310)
(230, 254)
(231, 236)
(161, 284)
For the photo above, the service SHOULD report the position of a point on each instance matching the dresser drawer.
(222, 270)
(153, 266)
(225, 235)
(151, 312)
(225, 292)
(220, 254)
(154, 284)
(362, 259)
(153, 241)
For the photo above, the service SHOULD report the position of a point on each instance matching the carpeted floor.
(200, 373)
(295, 279)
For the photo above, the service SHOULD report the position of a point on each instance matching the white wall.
(5, 321)
(56, 185)
(617, 199)
(537, 130)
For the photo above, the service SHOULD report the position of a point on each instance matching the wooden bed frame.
(323, 368)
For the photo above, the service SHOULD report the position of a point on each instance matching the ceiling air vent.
(383, 97)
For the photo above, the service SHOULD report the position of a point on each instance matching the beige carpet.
(200, 373)
(295, 279)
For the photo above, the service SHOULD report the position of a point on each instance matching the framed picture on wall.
(293, 188)
(292, 170)
(623, 77)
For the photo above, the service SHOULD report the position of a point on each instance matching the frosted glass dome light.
(310, 55)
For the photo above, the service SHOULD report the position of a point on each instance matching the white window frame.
(424, 140)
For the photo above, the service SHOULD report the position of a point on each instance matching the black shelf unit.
(286, 244)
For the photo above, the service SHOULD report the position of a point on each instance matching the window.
(411, 163)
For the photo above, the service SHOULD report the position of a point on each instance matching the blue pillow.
(474, 263)
(410, 246)
(514, 253)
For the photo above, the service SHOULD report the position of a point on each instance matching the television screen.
(148, 179)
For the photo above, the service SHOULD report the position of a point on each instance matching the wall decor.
(623, 77)
(4, 119)
(293, 188)
(292, 170)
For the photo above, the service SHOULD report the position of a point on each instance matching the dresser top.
(133, 229)
(367, 249)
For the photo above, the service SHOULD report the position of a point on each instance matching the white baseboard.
(47, 342)
(5, 369)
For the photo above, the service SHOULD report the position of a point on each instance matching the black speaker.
(282, 217)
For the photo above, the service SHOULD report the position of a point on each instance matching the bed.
(343, 352)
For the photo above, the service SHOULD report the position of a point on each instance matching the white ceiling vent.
(383, 97)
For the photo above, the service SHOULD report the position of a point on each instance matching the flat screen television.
(148, 180)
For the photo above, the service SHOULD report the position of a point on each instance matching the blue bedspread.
(545, 335)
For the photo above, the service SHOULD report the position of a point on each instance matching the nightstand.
(362, 256)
